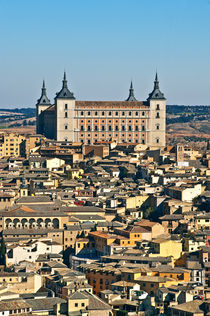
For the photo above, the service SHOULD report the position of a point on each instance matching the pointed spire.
(65, 93)
(156, 93)
(131, 96)
(43, 99)
(43, 88)
(156, 82)
(64, 80)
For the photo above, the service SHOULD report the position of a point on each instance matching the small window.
(110, 128)
(130, 113)
(66, 126)
(96, 127)
(82, 113)
(157, 140)
(66, 114)
(82, 128)
(123, 127)
(129, 128)
(123, 113)
(96, 113)
(116, 113)
(88, 128)
(116, 128)
(76, 304)
(103, 128)
(142, 113)
(137, 113)
(88, 113)
(66, 106)
(158, 107)
(158, 115)
(157, 126)
(110, 113)
(136, 128)
(103, 113)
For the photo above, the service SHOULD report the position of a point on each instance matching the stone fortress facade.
(130, 121)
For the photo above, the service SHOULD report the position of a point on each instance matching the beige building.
(130, 121)
(10, 144)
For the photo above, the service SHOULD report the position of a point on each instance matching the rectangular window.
(82, 113)
(158, 115)
(103, 128)
(66, 126)
(116, 113)
(123, 113)
(96, 127)
(136, 128)
(129, 128)
(66, 106)
(88, 113)
(96, 113)
(116, 128)
(143, 128)
(123, 127)
(66, 114)
(88, 128)
(110, 128)
(82, 128)
(110, 113)
(103, 113)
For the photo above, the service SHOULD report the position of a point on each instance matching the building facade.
(130, 121)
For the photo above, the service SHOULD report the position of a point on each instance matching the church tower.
(65, 113)
(42, 104)
(157, 117)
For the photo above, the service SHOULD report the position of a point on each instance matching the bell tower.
(157, 117)
(42, 104)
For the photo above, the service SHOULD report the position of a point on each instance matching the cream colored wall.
(62, 133)
(153, 133)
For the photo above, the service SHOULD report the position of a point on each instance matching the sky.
(102, 45)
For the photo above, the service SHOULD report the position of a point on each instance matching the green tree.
(2, 252)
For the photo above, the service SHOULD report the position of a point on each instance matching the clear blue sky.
(102, 44)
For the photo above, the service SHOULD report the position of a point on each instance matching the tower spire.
(43, 100)
(131, 96)
(156, 82)
(64, 80)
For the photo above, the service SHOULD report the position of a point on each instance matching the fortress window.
(103, 113)
(158, 107)
(123, 113)
(130, 113)
(66, 114)
(157, 126)
(66, 106)
(158, 115)
(66, 127)
(143, 128)
(136, 128)
(89, 113)
(82, 128)
(157, 140)
(82, 113)
(137, 113)
(116, 113)
(142, 113)
(129, 128)
(66, 139)
(110, 113)
(96, 113)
